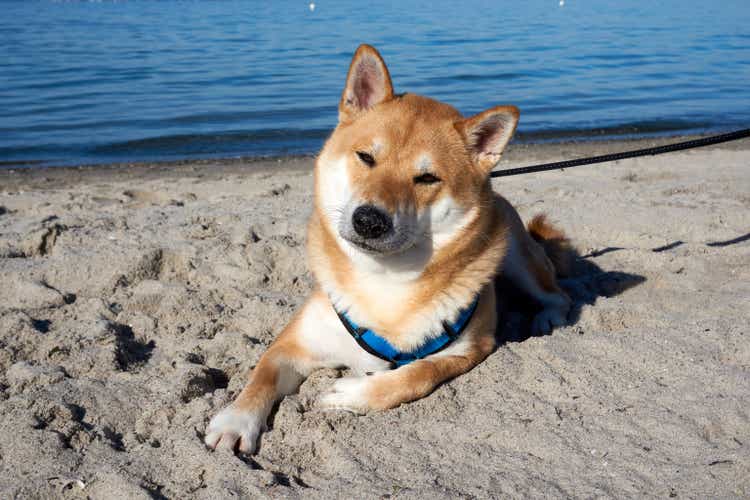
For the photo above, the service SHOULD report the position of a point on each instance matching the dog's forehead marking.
(424, 162)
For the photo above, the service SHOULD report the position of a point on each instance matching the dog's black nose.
(370, 222)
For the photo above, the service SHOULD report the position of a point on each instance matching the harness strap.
(357, 333)
(379, 347)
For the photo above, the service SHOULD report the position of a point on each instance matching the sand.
(135, 298)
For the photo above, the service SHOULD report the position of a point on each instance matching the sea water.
(94, 82)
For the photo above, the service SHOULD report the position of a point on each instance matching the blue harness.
(381, 348)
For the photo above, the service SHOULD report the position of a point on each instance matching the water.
(140, 81)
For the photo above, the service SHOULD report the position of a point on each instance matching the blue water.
(86, 82)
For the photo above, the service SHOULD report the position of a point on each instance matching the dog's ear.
(367, 83)
(487, 134)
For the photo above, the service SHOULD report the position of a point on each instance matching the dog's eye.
(426, 179)
(366, 158)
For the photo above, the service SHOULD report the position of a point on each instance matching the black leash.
(667, 148)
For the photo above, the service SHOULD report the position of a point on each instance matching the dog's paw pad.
(547, 320)
(348, 394)
(232, 428)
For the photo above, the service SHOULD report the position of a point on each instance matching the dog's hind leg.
(529, 268)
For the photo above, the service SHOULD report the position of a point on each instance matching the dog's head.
(404, 172)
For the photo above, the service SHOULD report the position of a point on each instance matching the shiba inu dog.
(405, 240)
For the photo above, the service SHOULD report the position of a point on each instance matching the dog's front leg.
(416, 380)
(280, 371)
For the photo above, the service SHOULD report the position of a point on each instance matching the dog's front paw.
(349, 393)
(232, 426)
(547, 320)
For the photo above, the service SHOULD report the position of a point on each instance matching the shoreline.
(517, 155)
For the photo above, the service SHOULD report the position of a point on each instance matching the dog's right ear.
(368, 83)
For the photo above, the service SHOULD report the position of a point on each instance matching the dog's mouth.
(390, 245)
(363, 245)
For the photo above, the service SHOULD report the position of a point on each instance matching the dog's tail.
(556, 245)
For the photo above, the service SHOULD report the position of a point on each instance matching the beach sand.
(135, 298)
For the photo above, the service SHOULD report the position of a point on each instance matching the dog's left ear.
(368, 83)
(487, 134)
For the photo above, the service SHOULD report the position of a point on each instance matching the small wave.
(229, 142)
(631, 129)
(196, 119)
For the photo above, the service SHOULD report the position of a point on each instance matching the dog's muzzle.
(375, 231)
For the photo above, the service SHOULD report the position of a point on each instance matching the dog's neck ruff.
(378, 346)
